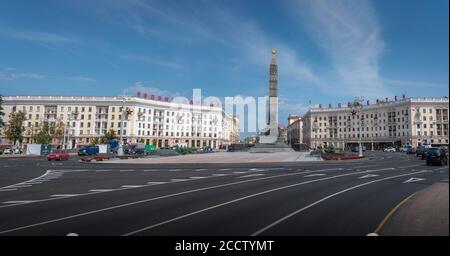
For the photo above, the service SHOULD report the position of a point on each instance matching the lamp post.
(122, 118)
(357, 108)
(315, 133)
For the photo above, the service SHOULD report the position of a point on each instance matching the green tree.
(2, 114)
(43, 136)
(14, 129)
(57, 131)
(95, 141)
(109, 135)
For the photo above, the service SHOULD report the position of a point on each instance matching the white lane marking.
(132, 186)
(413, 179)
(178, 180)
(250, 175)
(19, 202)
(218, 186)
(169, 196)
(103, 170)
(326, 198)
(240, 199)
(72, 234)
(11, 186)
(156, 182)
(64, 195)
(8, 189)
(199, 170)
(220, 174)
(225, 169)
(239, 172)
(197, 177)
(174, 170)
(368, 176)
(100, 190)
(21, 186)
(314, 175)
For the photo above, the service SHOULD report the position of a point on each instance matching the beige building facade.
(155, 122)
(408, 121)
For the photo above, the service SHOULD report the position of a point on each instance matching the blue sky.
(328, 51)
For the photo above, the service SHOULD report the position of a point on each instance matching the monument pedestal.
(270, 148)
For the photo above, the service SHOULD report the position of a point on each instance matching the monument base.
(270, 148)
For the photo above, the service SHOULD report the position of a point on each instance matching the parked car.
(207, 149)
(437, 155)
(420, 150)
(405, 148)
(58, 155)
(136, 152)
(425, 152)
(7, 151)
(88, 150)
(411, 150)
(356, 149)
(390, 149)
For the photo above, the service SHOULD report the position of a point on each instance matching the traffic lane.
(357, 212)
(121, 214)
(18, 169)
(74, 205)
(83, 180)
(247, 216)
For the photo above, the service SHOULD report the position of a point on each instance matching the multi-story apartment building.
(157, 122)
(396, 122)
(295, 131)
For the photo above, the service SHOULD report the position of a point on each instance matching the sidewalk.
(426, 213)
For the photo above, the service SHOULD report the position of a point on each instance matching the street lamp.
(315, 128)
(122, 117)
(357, 108)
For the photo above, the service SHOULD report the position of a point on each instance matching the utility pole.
(122, 118)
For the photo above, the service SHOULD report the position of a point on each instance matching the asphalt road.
(323, 198)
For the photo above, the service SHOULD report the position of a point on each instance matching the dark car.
(410, 151)
(437, 156)
(425, 152)
(88, 150)
(420, 150)
(136, 152)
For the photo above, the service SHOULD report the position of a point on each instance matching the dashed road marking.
(64, 195)
(225, 169)
(20, 202)
(100, 190)
(156, 182)
(250, 175)
(197, 177)
(178, 180)
(132, 186)
(314, 175)
(8, 189)
(199, 170)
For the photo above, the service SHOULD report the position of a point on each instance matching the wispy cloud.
(37, 36)
(8, 75)
(414, 84)
(349, 33)
(152, 60)
(82, 79)
(149, 88)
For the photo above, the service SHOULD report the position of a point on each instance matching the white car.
(389, 149)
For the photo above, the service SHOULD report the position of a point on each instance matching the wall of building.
(154, 122)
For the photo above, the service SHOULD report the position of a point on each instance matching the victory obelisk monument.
(269, 137)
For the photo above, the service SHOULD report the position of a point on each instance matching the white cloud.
(37, 36)
(349, 33)
(146, 87)
(82, 79)
(152, 60)
(14, 76)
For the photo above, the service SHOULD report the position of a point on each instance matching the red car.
(58, 155)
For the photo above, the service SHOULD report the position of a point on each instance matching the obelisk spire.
(273, 72)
